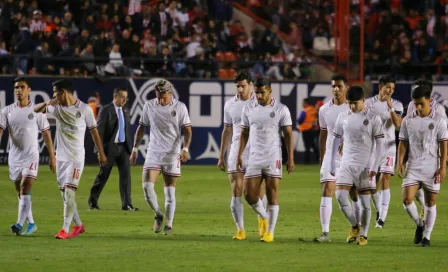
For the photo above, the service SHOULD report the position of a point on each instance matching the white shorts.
(231, 163)
(168, 164)
(69, 173)
(29, 169)
(387, 165)
(271, 168)
(326, 176)
(422, 176)
(355, 176)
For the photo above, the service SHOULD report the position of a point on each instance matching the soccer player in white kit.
(23, 159)
(72, 118)
(262, 124)
(362, 131)
(328, 115)
(425, 132)
(231, 134)
(167, 119)
(439, 109)
(390, 111)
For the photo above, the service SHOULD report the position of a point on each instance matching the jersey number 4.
(76, 173)
(33, 166)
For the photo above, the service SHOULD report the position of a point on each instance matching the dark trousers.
(121, 158)
(309, 137)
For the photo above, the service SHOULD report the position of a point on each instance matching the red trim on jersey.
(228, 125)
(253, 176)
(403, 139)
(443, 140)
(93, 127)
(323, 128)
(2, 127)
(337, 135)
(244, 126)
(379, 136)
(145, 125)
(186, 125)
(170, 174)
(152, 168)
(410, 184)
(273, 176)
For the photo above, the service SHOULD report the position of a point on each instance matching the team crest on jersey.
(30, 116)
(431, 126)
(173, 113)
(366, 122)
(272, 114)
(78, 114)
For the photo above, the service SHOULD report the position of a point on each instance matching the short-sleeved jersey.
(71, 124)
(24, 126)
(381, 109)
(265, 124)
(359, 131)
(328, 115)
(423, 135)
(438, 108)
(232, 118)
(166, 123)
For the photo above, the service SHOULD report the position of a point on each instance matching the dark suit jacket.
(108, 128)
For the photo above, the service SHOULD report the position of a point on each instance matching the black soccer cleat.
(426, 242)
(419, 234)
(379, 224)
(377, 216)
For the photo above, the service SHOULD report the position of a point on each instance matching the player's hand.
(52, 164)
(389, 102)
(133, 158)
(372, 174)
(185, 156)
(400, 170)
(290, 166)
(52, 102)
(440, 175)
(102, 159)
(221, 164)
(340, 148)
(239, 164)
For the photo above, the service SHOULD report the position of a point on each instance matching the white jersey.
(24, 126)
(438, 108)
(423, 135)
(71, 124)
(165, 124)
(328, 115)
(265, 123)
(232, 118)
(381, 109)
(360, 129)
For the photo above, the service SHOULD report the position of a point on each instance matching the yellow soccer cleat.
(352, 234)
(268, 237)
(262, 226)
(422, 214)
(240, 235)
(362, 240)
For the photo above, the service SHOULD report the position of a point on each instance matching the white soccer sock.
(413, 213)
(170, 204)
(376, 197)
(69, 208)
(265, 202)
(260, 209)
(151, 197)
(236, 207)
(76, 217)
(430, 215)
(24, 208)
(385, 199)
(346, 208)
(273, 215)
(357, 210)
(366, 214)
(30, 217)
(420, 196)
(326, 208)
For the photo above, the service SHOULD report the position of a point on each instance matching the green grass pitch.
(124, 241)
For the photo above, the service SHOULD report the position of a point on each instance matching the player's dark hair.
(339, 77)
(420, 92)
(262, 82)
(119, 89)
(423, 82)
(386, 79)
(22, 79)
(355, 93)
(63, 84)
(243, 75)
(307, 101)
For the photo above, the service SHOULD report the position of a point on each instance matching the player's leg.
(366, 186)
(345, 180)
(420, 196)
(385, 199)
(272, 184)
(409, 189)
(251, 190)
(149, 177)
(431, 190)
(376, 194)
(236, 204)
(264, 200)
(356, 204)
(170, 201)
(328, 183)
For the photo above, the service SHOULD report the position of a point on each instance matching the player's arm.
(99, 145)
(139, 133)
(338, 133)
(395, 114)
(102, 120)
(226, 135)
(50, 147)
(378, 136)
(322, 135)
(287, 132)
(41, 107)
(442, 160)
(187, 141)
(243, 140)
(402, 147)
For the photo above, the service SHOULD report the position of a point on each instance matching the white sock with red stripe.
(430, 220)
(346, 207)
(273, 215)
(170, 204)
(385, 199)
(24, 208)
(376, 197)
(413, 213)
(366, 214)
(69, 208)
(151, 197)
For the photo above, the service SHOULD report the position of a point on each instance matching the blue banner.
(204, 99)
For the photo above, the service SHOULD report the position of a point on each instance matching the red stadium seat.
(230, 56)
(222, 73)
(220, 56)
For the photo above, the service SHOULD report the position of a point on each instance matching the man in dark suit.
(114, 127)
